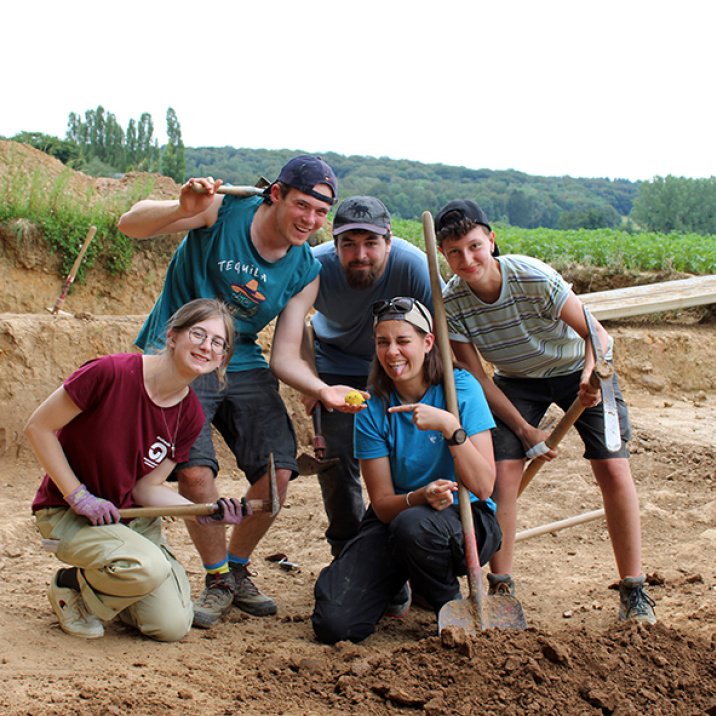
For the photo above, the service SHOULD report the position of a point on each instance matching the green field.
(607, 248)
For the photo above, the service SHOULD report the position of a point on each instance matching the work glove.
(229, 511)
(95, 509)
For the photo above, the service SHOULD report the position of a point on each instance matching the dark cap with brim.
(305, 171)
(459, 209)
(363, 213)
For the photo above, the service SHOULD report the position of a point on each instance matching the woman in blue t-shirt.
(408, 444)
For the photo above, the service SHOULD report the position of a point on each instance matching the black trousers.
(422, 545)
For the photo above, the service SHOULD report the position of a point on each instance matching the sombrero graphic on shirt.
(248, 297)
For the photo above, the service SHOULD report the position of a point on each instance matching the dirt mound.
(574, 659)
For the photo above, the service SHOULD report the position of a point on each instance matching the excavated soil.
(573, 659)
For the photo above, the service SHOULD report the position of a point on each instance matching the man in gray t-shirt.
(363, 265)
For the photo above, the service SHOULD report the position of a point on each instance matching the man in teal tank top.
(251, 252)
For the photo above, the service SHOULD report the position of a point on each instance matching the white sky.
(618, 88)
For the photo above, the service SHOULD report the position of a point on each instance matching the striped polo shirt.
(521, 333)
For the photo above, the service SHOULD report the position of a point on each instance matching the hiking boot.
(399, 605)
(214, 601)
(634, 602)
(501, 585)
(248, 597)
(73, 614)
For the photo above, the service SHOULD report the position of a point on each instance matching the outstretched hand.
(333, 397)
(96, 509)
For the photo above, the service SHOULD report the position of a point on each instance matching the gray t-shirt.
(343, 322)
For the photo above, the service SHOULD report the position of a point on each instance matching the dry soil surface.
(573, 659)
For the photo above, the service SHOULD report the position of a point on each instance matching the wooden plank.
(666, 296)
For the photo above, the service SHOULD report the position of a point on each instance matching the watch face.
(458, 437)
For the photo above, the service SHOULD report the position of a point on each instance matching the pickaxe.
(601, 379)
(272, 505)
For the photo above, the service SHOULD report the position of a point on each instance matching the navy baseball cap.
(305, 171)
(365, 213)
(459, 209)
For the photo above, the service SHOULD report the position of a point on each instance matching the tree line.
(408, 188)
(96, 144)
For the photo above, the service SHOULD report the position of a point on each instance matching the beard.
(360, 279)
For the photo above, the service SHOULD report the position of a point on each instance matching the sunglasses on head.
(402, 304)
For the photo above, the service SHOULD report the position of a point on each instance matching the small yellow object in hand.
(354, 398)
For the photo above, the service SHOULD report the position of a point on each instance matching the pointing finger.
(402, 408)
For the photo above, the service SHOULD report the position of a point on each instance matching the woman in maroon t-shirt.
(108, 439)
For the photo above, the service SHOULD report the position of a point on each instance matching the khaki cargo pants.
(126, 570)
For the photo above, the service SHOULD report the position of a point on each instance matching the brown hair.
(459, 228)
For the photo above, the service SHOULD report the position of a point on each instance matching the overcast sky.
(619, 89)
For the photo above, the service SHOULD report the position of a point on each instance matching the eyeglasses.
(402, 304)
(218, 345)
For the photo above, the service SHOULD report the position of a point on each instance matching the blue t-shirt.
(221, 261)
(417, 457)
(343, 322)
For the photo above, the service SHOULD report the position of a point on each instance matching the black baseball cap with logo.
(305, 171)
(365, 213)
(459, 209)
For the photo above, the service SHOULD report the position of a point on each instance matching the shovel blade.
(498, 612)
(311, 465)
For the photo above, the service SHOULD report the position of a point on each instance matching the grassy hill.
(408, 188)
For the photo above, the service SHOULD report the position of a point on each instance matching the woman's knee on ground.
(169, 625)
(330, 625)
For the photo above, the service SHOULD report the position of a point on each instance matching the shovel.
(479, 611)
(318, 462)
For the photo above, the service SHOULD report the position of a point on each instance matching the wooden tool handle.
(563, 426)
(208, 508)
(472, 557)
(73, 272)
(232, 190)
(559, 525)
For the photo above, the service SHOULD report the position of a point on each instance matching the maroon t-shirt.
(121, 434)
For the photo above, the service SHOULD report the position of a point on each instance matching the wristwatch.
(458, 437)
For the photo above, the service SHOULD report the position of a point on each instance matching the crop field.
(607, 248)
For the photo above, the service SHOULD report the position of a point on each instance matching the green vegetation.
(65, 214)
(677, 204)
(103, 148)
(606, 248)
(408, 188)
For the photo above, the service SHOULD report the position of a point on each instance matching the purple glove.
(95, 509)
(229, 511)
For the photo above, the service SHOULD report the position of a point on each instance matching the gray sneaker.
(248, 597)
(73, 614)
(634, 602)
(399, 605)
(500, 585)
(214, 601)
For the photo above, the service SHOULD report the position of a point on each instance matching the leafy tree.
(676, 204)
(173, 161)
(64, 150)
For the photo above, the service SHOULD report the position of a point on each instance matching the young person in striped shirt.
(520, 315)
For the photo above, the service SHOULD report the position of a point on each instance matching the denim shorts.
(251, 417)
(533, 396)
